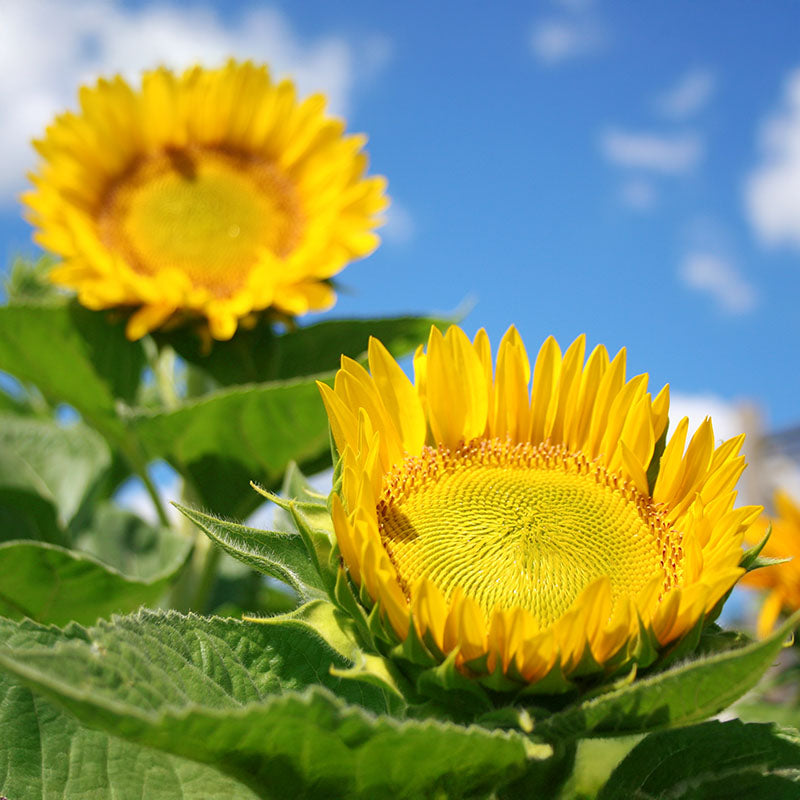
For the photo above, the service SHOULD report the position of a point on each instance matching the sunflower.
(537, 535)
(782, 580)
(214, 193)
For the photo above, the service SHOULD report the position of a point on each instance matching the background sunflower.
(215, 193)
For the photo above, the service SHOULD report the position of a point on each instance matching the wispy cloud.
(689, 96)
(49, 47)
(772, 190)
(400, 227)
(639, 194)
(719, 277)
(557, 40)
(574, 32)
(668, 154)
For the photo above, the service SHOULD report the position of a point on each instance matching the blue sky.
(627, 170)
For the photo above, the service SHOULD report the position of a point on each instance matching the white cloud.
(772, 191)
(49, 47)
(729, 418)
(639, 194)
(651, 151)
(688, 96)
(767, 468)
(557, 40)
(707, 272)
(400, 227)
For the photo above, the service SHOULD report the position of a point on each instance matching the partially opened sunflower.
(214, 194)
(780, 580)
(529, 536)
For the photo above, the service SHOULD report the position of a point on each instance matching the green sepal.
(338, 470)
(682, 647)
(345, 599)
(328, 621)
(646, 648)
(414, 649)
(555, 682)
(339, 631)
(379, 628)
(714, 639)
(587, 665)
(278, 554)
(655, 462)
(382, 673)
(336, 462)
(297, 487)
(312, 521)
(447, 687)
(751, 557)
(492, 679)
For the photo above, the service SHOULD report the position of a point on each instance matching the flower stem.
(154, 496)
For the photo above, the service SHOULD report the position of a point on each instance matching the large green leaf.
(27, 507)
(682, 695)
(153, 660)
(280, 555)
(259, 355)
(73, 356)
(46, 754)
(715, 759)
(231, 437)
(54, 585)
(225, 693)
(130, 545)
(68, 461)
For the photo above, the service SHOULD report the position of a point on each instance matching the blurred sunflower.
(214, 193)
(517, 533)
(781, 580)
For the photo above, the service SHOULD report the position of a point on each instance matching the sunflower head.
(528, 537)
(214, 193)
(780, 579)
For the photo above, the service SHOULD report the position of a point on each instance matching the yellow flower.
(516, 532)
(214, 193)
(781, 580)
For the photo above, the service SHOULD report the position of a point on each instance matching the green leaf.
(45, 754)
(757, 709)
(27, 507)
(53, 585)
(280, 555)
(715, 759)
(231, 437)
(126, 542)
(15, 403)
(681, 695)
(153, 659)
(67, 461)
(74, 356)
(225, 692)
(260, 355)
